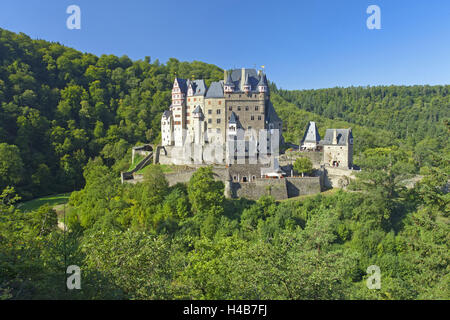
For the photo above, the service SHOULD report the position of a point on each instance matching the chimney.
(334, 136)
(225, 76)
(242, 78)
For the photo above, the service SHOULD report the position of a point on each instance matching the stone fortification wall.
(289, 157)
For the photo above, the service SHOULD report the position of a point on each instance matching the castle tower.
(262, 84)
(166, 129)
(311, 138)
(338, 148)
(178, 109)
(229, 85)
(199, 126)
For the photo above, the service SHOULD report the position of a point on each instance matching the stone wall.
(337, 177)
(278, 188)
(220, 173)
(298, 186)
(254, 190)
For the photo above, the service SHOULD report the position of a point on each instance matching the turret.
(262, 84)
(178, 91)
(198, 124)
(228, 87)
(232, 124)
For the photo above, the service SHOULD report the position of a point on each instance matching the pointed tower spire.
(246, 86)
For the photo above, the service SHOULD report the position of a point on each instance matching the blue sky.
(303, 44)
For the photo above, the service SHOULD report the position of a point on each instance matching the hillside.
(67, 122)
(61, 107)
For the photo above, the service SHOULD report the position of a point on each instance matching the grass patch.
(302, 197)
(166, 168)
(137, 158)
(54, 200)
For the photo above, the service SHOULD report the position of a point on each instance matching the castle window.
(209, 120)
(252, 118)
(218, 130)
(220, 102)
(239, 108)
(254, 178)
(189, 99)
(244, 179)
(195, 99)
(218, 111)
(209, 111)
(246, 108)
(259, 117)
(256, 108)
(218, 120)
(230, 108)
(235, 178)
(209, 102)
(249, 127)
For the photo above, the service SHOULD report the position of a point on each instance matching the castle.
(234, 109)
(232, 125)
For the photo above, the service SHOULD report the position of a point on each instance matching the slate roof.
(182, 83)
(262, 80)
(215, 90)
(198, 110)
(312, 133)
(252, 75)
(246, 80)
(343, 136)
(272, 115)
(233, 119)
(167, 114)
(229, 81)
(198, 86)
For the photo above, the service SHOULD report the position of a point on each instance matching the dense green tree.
(11, 165)
(303, 166)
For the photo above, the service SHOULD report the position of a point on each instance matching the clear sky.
(303, 44)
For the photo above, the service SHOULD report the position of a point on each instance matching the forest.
(68, 121)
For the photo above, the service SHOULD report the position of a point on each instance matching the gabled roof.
(198, 110)
(215, 90)
(343, 136)
(182, 83)
(198, 86)
(311, 133)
